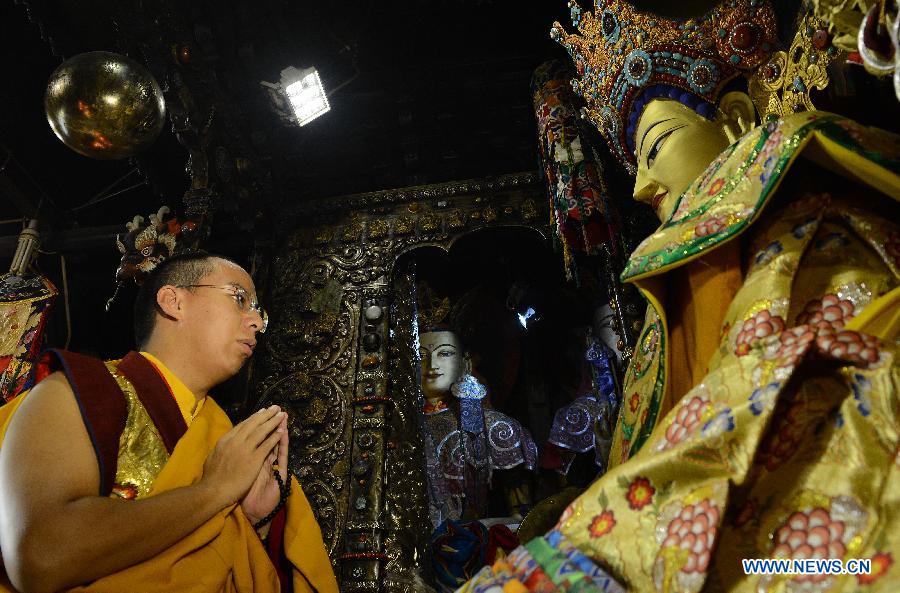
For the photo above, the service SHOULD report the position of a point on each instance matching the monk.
(125, 476)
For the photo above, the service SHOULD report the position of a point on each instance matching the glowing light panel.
(306, 94)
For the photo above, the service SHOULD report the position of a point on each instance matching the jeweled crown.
(620, 52)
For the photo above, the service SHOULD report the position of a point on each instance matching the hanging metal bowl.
(104, 105)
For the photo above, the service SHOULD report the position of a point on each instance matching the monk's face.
(223, 328)
(442, 361)
(674, 145)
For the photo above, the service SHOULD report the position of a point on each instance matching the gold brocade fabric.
(718, 209)
(142, 453)
(790, 446)
(25, 304)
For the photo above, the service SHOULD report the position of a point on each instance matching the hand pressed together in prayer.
(265, 493)
(240, 467)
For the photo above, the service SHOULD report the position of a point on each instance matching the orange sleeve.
(698, 297)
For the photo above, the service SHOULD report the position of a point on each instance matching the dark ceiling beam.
(70, 241)
(230, 241)
(26, 207)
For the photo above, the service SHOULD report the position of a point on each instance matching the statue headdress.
(432, 308)
(781, 86)
(620, 53)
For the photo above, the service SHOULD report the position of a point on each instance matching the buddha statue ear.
(737, 114)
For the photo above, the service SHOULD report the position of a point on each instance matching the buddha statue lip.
(658, 198)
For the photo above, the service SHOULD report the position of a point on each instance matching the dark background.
(422, 91)
(426, 92)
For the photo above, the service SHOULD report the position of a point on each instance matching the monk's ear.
(738, 114)
(168, 301)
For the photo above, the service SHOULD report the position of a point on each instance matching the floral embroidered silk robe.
(789, 446)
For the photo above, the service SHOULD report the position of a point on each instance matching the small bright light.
(305, 93)
(523, 319)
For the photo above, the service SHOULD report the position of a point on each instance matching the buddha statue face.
(443, 362)
(674, 145)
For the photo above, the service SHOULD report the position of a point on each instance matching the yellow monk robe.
(188, 404)
(223, 554)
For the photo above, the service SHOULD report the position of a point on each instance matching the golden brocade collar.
(730, 195)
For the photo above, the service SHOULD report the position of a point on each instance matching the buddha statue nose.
(645, 189)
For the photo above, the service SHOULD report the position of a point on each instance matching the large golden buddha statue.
(760, 414)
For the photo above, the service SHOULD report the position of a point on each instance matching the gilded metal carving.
(406, 495)
(349, 381)
(308, 368)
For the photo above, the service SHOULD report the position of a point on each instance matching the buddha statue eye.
(654, 150)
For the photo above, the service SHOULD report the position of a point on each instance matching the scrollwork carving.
(319, 403)
(327, 273)
(312, 319)
(372, 200)
(406, 495)
(325, 503)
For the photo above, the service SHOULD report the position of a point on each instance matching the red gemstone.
(821, 39)
(744, 37)
(875, 37)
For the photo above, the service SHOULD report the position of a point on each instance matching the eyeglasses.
(241, 297)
